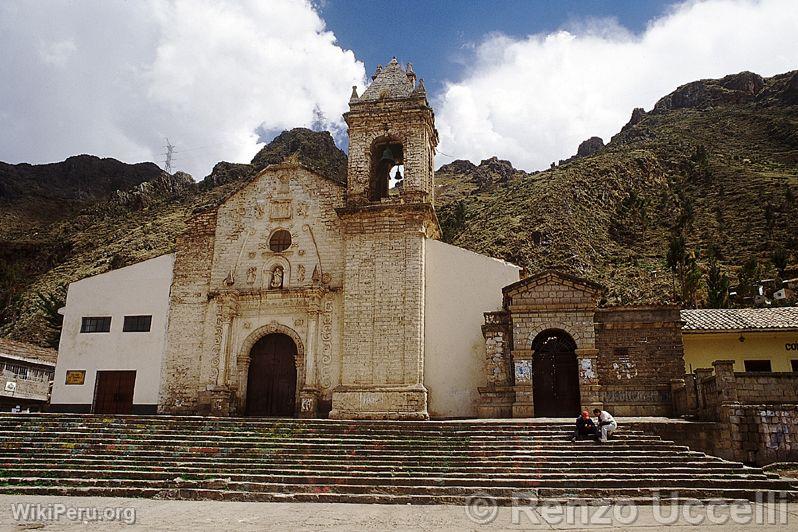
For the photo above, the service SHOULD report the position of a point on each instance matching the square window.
(137, 324)
(757, 365)
(96, 325)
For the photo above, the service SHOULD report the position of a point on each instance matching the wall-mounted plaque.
(281, 209)
(75, 376)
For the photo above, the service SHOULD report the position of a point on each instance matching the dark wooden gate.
(555, 375)
(271, 383)
(113, 392)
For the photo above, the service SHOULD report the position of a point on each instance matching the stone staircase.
(355, 461)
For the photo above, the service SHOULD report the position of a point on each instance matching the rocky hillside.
(714, 166)
(35, 195)
(716, 162)
(103, 214)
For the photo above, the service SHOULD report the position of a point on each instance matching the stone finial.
(393, 61)
(411, 75)
(420, 88)
(354, 95)
(376, 72)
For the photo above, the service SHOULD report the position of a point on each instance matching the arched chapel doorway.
(555, 375)
(272, 377)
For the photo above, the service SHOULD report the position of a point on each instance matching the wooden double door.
(555, 375)
(113, 392)
(271, 382)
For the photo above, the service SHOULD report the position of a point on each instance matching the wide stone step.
(604, 453)
(394, 433)
(80, 432)
(349, 425)
(333, 446)
(505, 460)
(223, 495)
(593, 487)
(520, 478)
(210, 464)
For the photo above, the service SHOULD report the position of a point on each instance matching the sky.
(522, 80)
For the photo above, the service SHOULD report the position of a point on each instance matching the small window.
(794, 365)
(757, 365)
(280, 241)
(137, 324)
(96, 325)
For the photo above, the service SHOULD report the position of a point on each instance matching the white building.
(113, 340)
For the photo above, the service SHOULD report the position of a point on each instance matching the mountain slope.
(720, 155)
(35, 195)
(716, 161)
(117, 228)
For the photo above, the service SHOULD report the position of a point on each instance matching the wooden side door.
(544, 389)
(555, 379)
(113, 392)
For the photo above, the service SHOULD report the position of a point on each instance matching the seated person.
(606, 424)
(585, 428)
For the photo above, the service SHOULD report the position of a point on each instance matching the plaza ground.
(211, 515)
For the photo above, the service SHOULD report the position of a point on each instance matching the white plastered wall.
(460, 287)
(139, 289)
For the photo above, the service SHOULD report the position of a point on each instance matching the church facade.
(302, 295)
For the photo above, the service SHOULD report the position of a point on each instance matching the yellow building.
(756, 339)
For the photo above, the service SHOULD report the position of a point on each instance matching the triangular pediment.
(550, 286)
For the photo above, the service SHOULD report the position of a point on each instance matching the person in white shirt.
(606, 424)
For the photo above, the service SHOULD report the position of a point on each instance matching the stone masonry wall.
(383, 339)
(770, 387)
(188, 309)
(753, 433)
(763, 434)
(639, 351)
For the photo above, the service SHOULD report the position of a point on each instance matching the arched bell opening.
(387, 168)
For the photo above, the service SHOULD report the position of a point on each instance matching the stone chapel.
(304, 295)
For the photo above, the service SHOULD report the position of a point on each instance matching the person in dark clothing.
(585, 428)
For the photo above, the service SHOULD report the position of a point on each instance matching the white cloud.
(533, 100)
(57, 53)
(115, 78)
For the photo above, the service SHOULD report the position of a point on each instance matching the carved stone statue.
(251, 272)
(277, 277)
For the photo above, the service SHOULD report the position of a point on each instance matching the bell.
(387, 155)
(398, 175)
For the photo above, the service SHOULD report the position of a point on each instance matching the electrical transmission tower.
(170, 150)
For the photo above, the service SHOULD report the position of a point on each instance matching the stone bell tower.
(387, 218)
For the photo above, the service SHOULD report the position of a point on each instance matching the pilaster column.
(522, 368)
(309, 395)
(220, 396)
(589, 387)
(228, 308)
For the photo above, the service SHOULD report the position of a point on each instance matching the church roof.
(390, 82)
